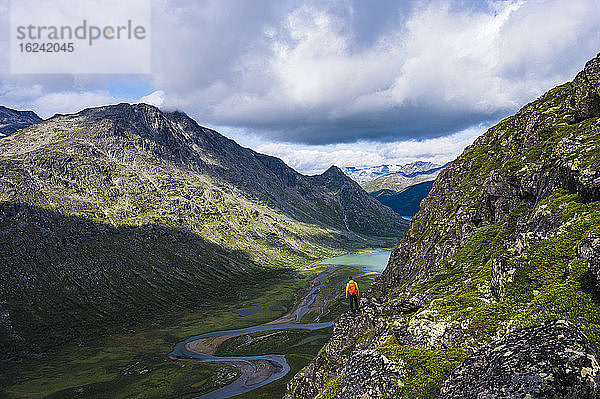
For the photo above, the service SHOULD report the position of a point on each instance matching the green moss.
(424, 369)
(332, 388)
(548, 282)
(365, 339)
(555, 279)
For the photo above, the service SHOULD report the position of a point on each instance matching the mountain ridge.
(109, 180)
(363, 175)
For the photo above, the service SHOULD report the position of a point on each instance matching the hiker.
(352, 292)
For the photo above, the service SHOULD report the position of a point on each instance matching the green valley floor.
(136, 365)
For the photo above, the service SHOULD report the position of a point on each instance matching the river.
(258, 371)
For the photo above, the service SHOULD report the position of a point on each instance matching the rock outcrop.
(506, 240)
(552, 360)
(368, 374)
(589, 249)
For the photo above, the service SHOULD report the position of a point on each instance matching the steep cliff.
(506, 240)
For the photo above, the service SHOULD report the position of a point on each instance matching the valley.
(123, 228)
(138, 365)
(300, 200)
(401, 187)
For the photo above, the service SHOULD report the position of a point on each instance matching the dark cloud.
(340, 71)
(409, 122)
(315, 72)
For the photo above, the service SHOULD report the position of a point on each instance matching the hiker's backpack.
(352, 288)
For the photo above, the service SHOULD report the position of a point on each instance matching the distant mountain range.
(401, 180)
(408, 201)
(117, 215)
(12, 120)
(365, 174)
(401, 187)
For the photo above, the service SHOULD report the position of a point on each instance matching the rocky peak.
(142, 136)
(585, 98)
(333, 171)
(334, 177)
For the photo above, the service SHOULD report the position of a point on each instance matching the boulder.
(586, 90)
(369, 375)
(552, 360)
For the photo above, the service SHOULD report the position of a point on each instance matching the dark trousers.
(353, 301)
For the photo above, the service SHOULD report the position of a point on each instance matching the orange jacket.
(348, 287)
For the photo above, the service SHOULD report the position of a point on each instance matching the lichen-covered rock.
(586, 94)
(334, 356)
(502, 275)
(368, 375)
(410, 304)
(552, 360)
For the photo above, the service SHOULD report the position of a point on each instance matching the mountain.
(404, 203)
(122, 215)
(403, 190)
(363, 175)
(401, 180)
(494, 290)
(11, 120)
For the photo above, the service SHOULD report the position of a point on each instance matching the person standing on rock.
(352, 293)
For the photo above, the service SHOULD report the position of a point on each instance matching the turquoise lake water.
(374, 261)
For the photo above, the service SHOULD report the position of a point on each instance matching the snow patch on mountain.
(364, 174)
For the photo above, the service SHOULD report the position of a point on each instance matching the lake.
(374, 261)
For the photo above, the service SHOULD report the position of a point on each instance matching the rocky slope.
(506, 242)
(363, 175)
(123, 214)
(12, 120)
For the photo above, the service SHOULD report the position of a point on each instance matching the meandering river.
(258, 371)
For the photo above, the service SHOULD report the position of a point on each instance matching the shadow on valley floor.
(67, 279)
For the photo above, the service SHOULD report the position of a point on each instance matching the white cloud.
(431, 70)
(314, 159)
(69, 101)
(340, 72)
(155, 98)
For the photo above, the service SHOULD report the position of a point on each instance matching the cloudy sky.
(348, 82)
